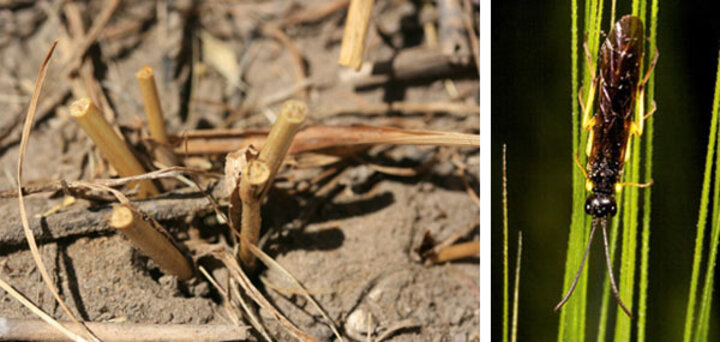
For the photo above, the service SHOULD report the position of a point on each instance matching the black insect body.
(619, 93)
(612, 124)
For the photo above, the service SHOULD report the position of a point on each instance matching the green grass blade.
(505, 249)
(629, 244)
(516, 296)
(649, 131)
(702, 218)
(572, 316)
(635, 8)
(703, 323)
(576, 175)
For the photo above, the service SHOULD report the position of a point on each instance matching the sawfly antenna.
(609, 268)
(582, 264)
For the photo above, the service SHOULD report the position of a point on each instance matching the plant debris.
(387, 155)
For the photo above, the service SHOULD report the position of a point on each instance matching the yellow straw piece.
(111, 146)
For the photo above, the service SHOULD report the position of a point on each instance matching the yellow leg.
(587, 105)
(619, 186)
(650, 69)
(588, 119)
(588, 182)
(637, 127)
(627, 149)
(651, 112)
(577, 163)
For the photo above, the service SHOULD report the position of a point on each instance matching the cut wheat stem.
(112, 147)
(154, 114)
(356, 27)
(254, 178)
(151, 240)
(277, 144)
(458, 251)
(259, 174)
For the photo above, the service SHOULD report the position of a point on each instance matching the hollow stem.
(458, 251)
(152, 240)
(254, 178)
(154, 114)
(112, 147)
(356, 27)
(281, 136)
(259, 174)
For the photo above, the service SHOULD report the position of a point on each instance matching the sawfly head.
(601, 205)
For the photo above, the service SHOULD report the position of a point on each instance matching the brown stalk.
(451, 239)
(281, 136)
(154, 114)
(356, 27)
(259, 174)
(238, 274)
(459, 251)
(151, 240)
(297, 286)
(254, 178)
(109, 143)
(36, 330)
(27, 127)
(319, 137)
(232, 310)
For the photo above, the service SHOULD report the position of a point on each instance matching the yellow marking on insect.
(627, 148)
(591, 136)
(588, 119)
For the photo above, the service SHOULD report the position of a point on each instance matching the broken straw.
(109, 143)
(259, 174)
(154, 114)
(356, 27)
(155, 243)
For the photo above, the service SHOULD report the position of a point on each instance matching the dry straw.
(459, 251)
(112, 147)
(154, 114)
(16, 329)
(259, 174)
(254, 178)
(151, 240)
(356, 27)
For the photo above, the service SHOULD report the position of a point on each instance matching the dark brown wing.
(619, 70)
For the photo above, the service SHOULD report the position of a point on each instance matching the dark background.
(531, 106)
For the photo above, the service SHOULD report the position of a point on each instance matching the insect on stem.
(618, 88)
